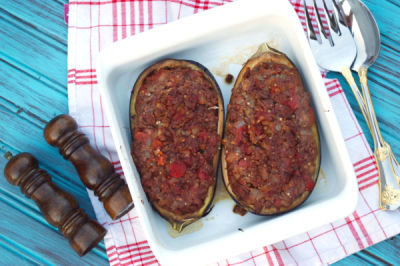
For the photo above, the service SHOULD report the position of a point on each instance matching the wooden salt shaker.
(96, 172)
(58, 207)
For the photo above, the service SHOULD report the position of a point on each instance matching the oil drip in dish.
(220, 191)
(194, 227)
(322, 180)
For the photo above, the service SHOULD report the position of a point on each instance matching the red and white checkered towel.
(95, 24)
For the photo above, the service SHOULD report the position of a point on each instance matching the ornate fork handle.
(388, 167)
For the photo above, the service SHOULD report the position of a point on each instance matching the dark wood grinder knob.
(95, 171)
(58, 207)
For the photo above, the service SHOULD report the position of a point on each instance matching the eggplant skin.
(170, 165)
(271, 147)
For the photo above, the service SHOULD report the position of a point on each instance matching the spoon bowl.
(365, 32)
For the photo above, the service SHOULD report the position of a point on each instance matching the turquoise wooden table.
(33, 89)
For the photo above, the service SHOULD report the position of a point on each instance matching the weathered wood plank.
(14, 256)
(388, 250)
(354, 260)
(32, 50)
(29, 96)
(48, 16)
(386, 14)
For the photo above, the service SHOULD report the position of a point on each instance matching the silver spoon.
(367, 37)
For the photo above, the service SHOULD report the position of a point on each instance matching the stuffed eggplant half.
(176, 118)
(271, 149)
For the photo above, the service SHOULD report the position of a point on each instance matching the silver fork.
(334, 50)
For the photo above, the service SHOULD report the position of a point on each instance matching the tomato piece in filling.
(177, 169)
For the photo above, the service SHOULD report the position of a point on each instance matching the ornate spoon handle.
(388, 167)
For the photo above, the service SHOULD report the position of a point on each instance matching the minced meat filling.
(175, 138)
(270, 147)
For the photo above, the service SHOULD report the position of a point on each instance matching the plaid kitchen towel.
(95, 24)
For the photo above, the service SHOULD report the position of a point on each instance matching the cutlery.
(337, 50)
(367, 38)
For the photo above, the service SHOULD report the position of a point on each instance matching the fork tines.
(334, 23)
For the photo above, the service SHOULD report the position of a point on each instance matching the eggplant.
(176, 91)
(271, 147)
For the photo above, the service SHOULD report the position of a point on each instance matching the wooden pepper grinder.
(95, 171)
(59, 208)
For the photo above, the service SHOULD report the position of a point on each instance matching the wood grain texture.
(33, 89)
(48, 16)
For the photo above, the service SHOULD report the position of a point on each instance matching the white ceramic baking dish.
(222, 39)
